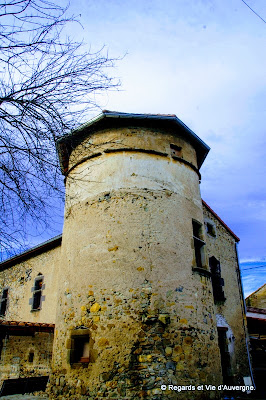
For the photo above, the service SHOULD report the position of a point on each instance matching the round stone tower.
(135, 306)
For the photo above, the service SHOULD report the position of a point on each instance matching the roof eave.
(40, 248)
(64, 149)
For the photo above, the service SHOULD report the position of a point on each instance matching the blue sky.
(252, 273)
(205, 61)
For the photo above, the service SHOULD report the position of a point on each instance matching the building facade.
(143, 290)
(256, 321)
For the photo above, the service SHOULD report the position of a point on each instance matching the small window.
(217, 280)
(211, 229)
(37, 293)
(197, 231)
(80, 347)
(176, 151)
(31, 357)
(3, 302)
(198, 244)
(81, 352)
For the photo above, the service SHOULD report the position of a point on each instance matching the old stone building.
(143, 289)
(256, 322)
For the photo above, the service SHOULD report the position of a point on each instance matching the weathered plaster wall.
(121, 163)
(126, 275)
(19, 279)
(14, 360)
(230, 313)
(149, 139)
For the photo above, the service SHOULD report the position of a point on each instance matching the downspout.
(244, 312)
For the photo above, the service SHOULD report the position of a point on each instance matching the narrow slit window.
(225, 356)
(37, 294)
(3, 302)
(1, 347)
(31, 357)
(217, 280)
(198, 244)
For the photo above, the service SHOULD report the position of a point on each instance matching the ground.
(23, 397)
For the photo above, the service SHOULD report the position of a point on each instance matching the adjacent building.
(256, 321)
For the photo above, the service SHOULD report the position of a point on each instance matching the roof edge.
(40, 248)
(255, 291)
(221, 221)
(256, 310)
(63, 142)
(17, 327)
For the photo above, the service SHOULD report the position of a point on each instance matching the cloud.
(253, 274)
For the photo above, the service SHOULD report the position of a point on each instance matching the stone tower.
(135, 305)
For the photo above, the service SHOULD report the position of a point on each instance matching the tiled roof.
(256, 310)
(21, 325)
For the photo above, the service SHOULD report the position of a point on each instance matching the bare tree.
(47, 84)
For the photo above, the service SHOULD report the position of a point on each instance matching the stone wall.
(230, 313)
(26, 356)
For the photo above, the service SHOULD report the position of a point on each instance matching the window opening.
(37, 293)
(81, 349)
(3, 303)
(176, 150)
(1, 346)
(211, 229)
(217, 280)
(31, 357)
(225, 356)
(198, 243)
